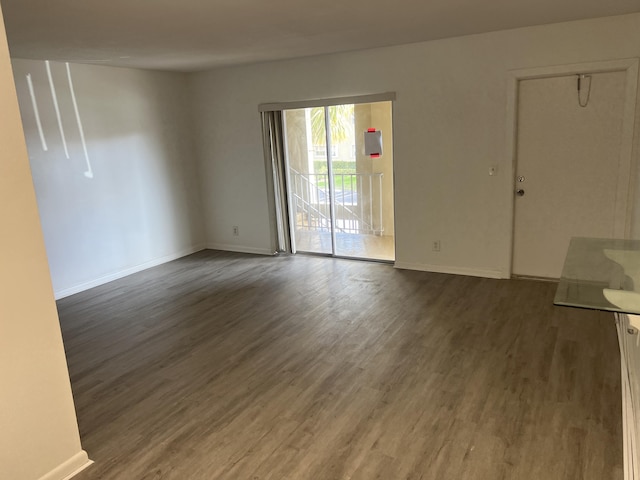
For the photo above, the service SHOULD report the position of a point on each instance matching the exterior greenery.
(340, 119)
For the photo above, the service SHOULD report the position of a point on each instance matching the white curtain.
(276, 170)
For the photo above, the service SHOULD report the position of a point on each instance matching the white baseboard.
(126, 272)
(470, 272)
(239, 249)
(70, 468)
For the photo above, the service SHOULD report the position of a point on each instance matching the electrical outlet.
(435, 246)
(236, 231)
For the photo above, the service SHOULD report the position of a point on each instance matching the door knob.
(520, 192)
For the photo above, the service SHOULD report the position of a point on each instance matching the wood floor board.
(232, 366)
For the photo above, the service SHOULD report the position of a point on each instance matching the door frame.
(626, 163)
(324, 102)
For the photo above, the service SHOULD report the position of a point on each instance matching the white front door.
(568, 167)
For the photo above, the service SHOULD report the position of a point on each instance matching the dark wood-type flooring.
(233, 366)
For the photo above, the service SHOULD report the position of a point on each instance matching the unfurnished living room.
(292, 241)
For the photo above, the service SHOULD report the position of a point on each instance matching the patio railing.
(358, 202)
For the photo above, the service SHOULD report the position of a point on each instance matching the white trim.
(70, 468)
(327, 102)
(239, 249)
(470, 272)
(629, 353)
(126, 272)
(624, 199)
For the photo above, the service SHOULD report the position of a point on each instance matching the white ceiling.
(189, 35)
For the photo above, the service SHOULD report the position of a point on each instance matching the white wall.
(38, 430)
(142, 206)
(449, 127)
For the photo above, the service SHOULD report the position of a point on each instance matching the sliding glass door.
(340, 197)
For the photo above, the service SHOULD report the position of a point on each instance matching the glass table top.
(601, 274)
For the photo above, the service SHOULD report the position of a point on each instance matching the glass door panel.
(309, 196)
(363, 184)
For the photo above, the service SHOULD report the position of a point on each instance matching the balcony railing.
(358, 202)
